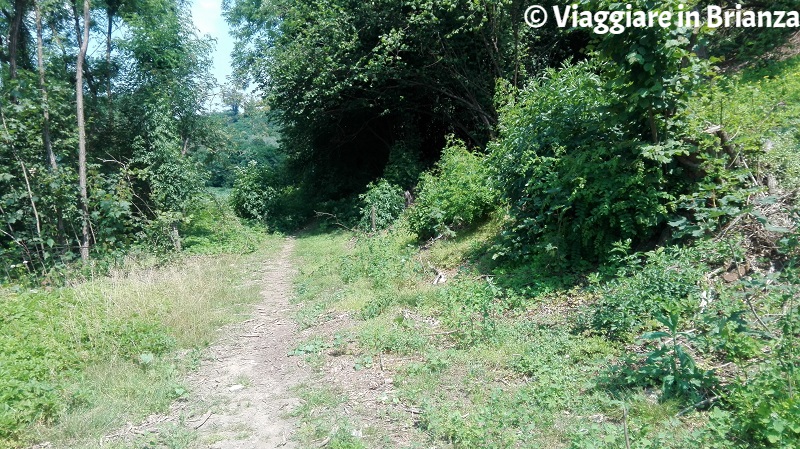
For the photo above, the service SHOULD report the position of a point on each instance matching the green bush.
(761, 407)
(575, 180)
(457, 192)
(31, 351)
(383, 200)
(668, 280)
(262, 193)
(254, 191)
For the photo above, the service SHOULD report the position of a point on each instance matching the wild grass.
(485, 368)
(80, 361)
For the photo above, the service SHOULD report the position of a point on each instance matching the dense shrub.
(575, 182)
(667, 280)
(262, 193)
(457, 192)
(382, 202)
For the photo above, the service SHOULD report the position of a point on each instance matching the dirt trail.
(246, 382)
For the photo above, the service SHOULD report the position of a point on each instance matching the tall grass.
(81, 361)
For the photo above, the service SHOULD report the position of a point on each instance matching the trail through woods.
(241, 395)
(247, 378)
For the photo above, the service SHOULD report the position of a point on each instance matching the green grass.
(322, 423)
(80, 361)
(485, 371)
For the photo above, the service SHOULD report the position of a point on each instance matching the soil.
(241, 395)
(246, 383)
(244, 391)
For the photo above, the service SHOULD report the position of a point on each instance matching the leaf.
(147, 358)
(776, 229)
(654, 335)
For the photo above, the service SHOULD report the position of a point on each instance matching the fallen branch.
(440, 277)
(436, 334)
(430, 242)
(337, 222)
(203, 420)
(704, 402)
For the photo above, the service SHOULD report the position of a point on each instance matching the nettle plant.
(382, 204)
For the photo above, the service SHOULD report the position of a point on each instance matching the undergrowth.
(691, 342)
(79, 361)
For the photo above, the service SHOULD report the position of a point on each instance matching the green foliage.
(472, 309)
(458, 192)
(136, 337)
(30, 352)
(653, 70)
(761, 105)
(261, 192)
(214, 228)
(242, 137)
(357, 85)
(382, 204)
(404, 166)
(255, 191)
(42, 346)
(173, 181)
(667, 279)
(143, 105)
(752, 46)
(575, 181)
(388, 262)
(761, 408)
(671, 366)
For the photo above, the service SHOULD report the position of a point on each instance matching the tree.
(353, 82)
(82, 134)
(126, 177)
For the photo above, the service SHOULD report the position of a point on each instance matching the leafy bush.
(575, 181)
(31, 350)
(382, 200)
(387, 261)
(254, 191)
(135, 337)
(457, 192)
(261, 193)
(762, 408)
(668, 280)
(471, 308)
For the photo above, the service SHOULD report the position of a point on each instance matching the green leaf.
(147, 358)
(654, 335)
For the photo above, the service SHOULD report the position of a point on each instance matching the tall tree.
(46, 141)
(84, 197)
(16, 38)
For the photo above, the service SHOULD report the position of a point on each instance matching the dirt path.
(246, 381)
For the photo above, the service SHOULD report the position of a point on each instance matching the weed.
(79, 361)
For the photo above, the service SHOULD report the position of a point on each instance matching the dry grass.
(190, 299)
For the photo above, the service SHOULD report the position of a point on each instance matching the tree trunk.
(46, 139)
(651, 120)
(14, 33)
(48, 146)
(82, 134)
(110, 15)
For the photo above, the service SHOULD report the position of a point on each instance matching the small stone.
(236, 387)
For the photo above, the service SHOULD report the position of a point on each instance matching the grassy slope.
(80, 361)
(483, 374)
(490, 367)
